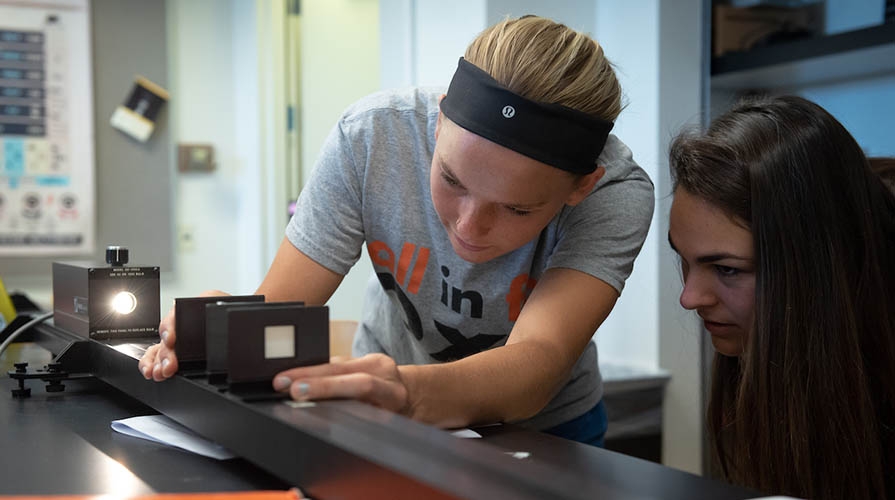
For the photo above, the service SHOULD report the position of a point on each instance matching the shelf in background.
(854, 54)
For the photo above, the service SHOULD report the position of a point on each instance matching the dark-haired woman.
(787, 244)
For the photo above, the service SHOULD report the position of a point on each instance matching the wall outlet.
(195, 158)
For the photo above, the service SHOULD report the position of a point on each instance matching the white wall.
(576, 14)
(442, 32)
(656, 50)
(397, 56)
(682, 77)
(214, 92)
(421, 41)
(234, 213)
(247, 143)
(340, 64)
(629, 336)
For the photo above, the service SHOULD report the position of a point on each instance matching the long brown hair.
(808, 409)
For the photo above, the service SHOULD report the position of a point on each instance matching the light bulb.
(124, 303)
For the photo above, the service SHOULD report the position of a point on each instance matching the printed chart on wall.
(46, 129)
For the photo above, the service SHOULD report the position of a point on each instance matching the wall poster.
(46, 129)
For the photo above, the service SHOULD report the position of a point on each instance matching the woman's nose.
(697, 292)
(473, 221)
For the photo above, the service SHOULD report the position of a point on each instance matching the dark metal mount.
(70, 363)
(52, 374)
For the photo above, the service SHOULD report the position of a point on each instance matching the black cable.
(22, 329)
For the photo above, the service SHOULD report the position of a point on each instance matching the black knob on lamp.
(116, 256)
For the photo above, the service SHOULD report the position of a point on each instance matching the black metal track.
(338, 449)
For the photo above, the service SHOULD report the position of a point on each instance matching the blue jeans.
(589, 428)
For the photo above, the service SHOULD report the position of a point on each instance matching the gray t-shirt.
(426, 304)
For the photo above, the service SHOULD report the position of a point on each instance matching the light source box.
(85, 295)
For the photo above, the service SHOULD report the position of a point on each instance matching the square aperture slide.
(253, 342)
(279, 341)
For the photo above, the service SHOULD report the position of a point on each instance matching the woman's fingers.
(158, 363)
(166, 329)
(373, 378)
(388, 394)
(147, 362)
(165, 365)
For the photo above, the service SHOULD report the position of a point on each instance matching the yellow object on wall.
(6, 308)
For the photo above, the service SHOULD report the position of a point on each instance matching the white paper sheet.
(162, 429)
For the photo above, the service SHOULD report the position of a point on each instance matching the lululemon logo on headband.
(508, 111)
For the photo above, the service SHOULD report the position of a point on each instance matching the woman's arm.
(293, 276)
(516, 381)
(506, 383)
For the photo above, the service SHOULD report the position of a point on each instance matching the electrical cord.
(22, 329)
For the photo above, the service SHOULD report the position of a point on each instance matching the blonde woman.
(502, 220)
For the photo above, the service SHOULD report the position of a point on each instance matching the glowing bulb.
(124, 303)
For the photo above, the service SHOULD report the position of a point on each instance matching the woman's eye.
(727, 271)
(516, 211)
(449, 180)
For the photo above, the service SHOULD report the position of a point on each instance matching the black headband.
(561, 137)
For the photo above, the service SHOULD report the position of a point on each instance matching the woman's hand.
(373, 379)
(160, 361)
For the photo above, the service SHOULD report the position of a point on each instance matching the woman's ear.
(584, 185)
